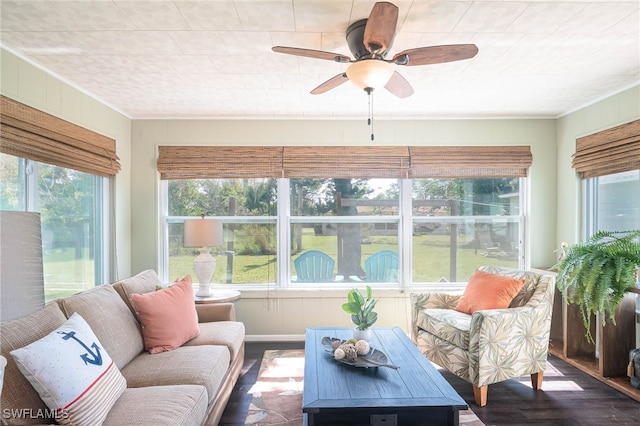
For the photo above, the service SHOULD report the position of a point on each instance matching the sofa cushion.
(177, 405)
(448, 324)
(186, 365)
(488, 291)
(110, 319)
(168, 317)
(72, 373)
(145, 282)
(17, 393)
(227, 333)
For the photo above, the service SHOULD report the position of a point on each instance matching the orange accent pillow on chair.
(488, 291)
(168, 316)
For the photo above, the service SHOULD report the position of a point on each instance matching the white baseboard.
(274, 338)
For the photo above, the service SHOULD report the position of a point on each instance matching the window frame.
(591, 222)
(284, 221)
(102, 206)
(591, 197)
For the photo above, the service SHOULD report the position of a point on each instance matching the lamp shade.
(373, 73)
(202, 233)
(21, 270)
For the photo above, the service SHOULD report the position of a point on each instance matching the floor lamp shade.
(203, 233)
(21, 268)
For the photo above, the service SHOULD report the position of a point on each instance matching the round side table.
(218, 296)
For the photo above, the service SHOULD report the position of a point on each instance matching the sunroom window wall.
(439, 229)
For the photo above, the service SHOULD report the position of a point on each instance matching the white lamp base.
(204, 266)
(204, 290)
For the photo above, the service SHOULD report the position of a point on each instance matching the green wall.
(26, 83)
(553, 193)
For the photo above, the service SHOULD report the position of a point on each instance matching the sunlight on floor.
(285, 367)
(554, 385)
(552, 381)
(290, 387)
(282, 375)
(551, 371)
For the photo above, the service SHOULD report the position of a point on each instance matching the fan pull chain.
(369, 91)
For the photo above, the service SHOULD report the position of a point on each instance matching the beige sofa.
(189, 385)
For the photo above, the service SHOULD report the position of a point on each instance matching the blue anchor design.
(95, 359)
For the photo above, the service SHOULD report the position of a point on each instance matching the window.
(348, 219)
(373, 211)
(609, 164)
(462, 224)
(61, 170)
(72, 216)
(248, 209)
(613, 202)
(455, 225)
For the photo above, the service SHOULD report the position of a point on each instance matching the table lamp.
(203, 233)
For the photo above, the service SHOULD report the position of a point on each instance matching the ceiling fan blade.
(435, 54)
(399, 86)
(332, 83)
(381, 28)
(310, 53)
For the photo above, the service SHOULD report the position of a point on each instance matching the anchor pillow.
(72, 373)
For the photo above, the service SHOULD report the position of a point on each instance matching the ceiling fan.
(370, 40)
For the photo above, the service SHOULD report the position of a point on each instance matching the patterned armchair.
(488, 346)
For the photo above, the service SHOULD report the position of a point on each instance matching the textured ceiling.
(213, 58)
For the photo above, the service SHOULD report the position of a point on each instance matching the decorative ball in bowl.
(355, 352)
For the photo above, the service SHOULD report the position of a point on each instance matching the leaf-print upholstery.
(492, 345)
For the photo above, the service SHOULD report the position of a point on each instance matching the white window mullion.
(405, 243)
(31, 186)
(590, 207)
(163, 242)
(283, 229)
(523, 259)
(106, 270)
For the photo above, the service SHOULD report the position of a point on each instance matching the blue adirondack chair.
(380, 267)
(314, 266)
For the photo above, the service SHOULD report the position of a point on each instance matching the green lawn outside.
(65, 275)
(430, 263)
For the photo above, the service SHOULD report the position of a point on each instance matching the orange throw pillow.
(168, 316)
(488, 291)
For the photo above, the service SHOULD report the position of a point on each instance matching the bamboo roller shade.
(611, 151)
(218, 162)
(469, 161)
(346, 162)
(211, 162)
(29, 133)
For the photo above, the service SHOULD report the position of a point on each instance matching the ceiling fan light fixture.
(370, 73)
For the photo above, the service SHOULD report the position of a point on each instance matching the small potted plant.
(596, 274)
(361, 311)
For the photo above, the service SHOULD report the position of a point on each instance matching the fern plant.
(596, 274)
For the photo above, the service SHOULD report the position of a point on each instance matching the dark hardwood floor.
(568, 396)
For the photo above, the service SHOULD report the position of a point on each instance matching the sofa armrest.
(522, 333)
(430, 300)
(434, 300)
(212, 312)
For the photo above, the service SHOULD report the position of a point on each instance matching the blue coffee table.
(337, 393)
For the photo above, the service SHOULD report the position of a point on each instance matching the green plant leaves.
(596, 274)
(361, 310)
(351, 308)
